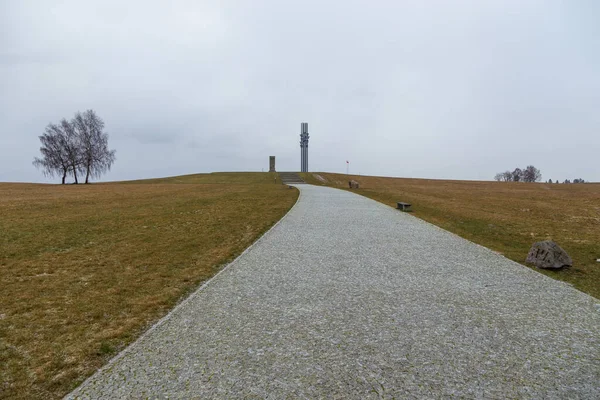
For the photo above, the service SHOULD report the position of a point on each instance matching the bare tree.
(505, 176)
(517, 175)
(71, 147)
(96, 158)
(76, 146)
(54, 158)
(532, 174)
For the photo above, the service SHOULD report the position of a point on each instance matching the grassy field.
(84, 270)
(505, 217)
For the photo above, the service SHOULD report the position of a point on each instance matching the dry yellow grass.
(505, 217)
(84, 270)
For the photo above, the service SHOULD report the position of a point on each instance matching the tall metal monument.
(304, 147)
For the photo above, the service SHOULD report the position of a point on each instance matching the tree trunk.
(75, 175)
(87, 176)
(64, 177)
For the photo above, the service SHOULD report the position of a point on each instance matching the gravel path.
(348, 298)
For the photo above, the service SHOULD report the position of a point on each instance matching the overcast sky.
(431, 89)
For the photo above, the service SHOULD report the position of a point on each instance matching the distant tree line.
(568, 181)
(78, 146)
(529, 174)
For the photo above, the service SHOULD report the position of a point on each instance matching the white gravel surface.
(348, 298)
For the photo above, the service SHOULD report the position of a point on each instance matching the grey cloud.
(146, 137)
(16, 59)
(425, 89)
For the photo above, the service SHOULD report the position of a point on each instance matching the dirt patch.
(320, 178)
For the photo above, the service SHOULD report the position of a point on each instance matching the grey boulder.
(548, 255)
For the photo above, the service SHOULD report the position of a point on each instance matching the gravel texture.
(348, 298)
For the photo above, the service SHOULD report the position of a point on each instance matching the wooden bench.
(403, 206)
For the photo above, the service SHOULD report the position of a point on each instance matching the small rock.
(548, 255)
(353, 184)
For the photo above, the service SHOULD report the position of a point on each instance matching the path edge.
(74, 395)
(594, 302)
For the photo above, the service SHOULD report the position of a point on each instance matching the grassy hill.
(85, 269)
(507, 217)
